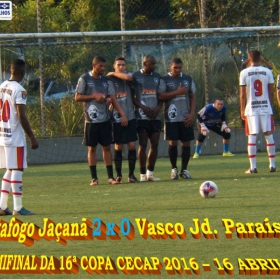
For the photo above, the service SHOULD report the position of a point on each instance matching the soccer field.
(62, 194)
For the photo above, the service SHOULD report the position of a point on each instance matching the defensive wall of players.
(70, 149)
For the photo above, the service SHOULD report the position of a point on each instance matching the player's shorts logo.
(93, 112)
(5, 10)
(172, 112)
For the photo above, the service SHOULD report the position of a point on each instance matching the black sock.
(93, 172)
(143, 170)
(118, 162)
(110, 171)
(173, 154)
(185, 156)
(131, 161)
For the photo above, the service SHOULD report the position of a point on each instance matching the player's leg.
(252, 128)
(199, 141)
(91, 141)
(171, 133)
(105, 140)
(17, 165)
(5, 185)
(142, 157)
(118, 132)
(186, 136)
(154, 134)
(267, 124)
(131, 157)
(118, 148)
(226, 139)
(152, 156)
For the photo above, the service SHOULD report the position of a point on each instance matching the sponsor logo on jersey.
(116, 115)
(140, 81)
(148, 91)
(5, 10)
(121, 94)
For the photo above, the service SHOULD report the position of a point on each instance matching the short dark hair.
(148, 57)
(176, 60)
(98, 59)
(255, 55)
(119, 58)
(17, 66)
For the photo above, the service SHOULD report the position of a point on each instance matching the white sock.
(252, 151)
(16, 181)
(5, 190)
(270, 147)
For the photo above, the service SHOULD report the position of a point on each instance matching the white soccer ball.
(208, 189)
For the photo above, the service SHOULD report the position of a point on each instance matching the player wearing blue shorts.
(213, 117)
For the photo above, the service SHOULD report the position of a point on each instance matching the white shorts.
(255, 124)
(13, 157)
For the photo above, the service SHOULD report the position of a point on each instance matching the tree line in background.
(99, 15)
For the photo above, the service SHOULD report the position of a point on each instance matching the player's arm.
(122, 76)
(26, 126)
(169, 95)
(79, 97)
(242, 99)
(271, 93)
(189, 118)
(117, 106)
(266, 63)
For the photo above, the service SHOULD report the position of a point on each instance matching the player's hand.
(108, 101)
(243, 116)
(124, 121)
(156, 111)
(148, 112)
(34, 143)
(182, 90)
(204, 130)
(189, 120)
(99, 97)
(225, 127)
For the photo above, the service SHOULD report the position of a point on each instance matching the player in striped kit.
(13, 125)
(256, 99)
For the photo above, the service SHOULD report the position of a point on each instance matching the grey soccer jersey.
(146, 89)
(95, 112)
(121, 90)
(176, 109)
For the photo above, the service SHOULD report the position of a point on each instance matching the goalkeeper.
(213, 117)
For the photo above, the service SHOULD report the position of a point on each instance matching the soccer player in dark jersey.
(147, 84)
(213, 117)
(92, 90)
(179, 106)
(119, 86)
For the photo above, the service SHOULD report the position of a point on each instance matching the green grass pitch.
(62, 193)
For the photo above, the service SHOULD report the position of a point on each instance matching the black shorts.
(95, 133)
(125, 134)
(215, 128)
(149, 127)
(175, 131)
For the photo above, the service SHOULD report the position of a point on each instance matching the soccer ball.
(208, 189)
